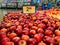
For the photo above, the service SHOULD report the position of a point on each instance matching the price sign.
(28, 9)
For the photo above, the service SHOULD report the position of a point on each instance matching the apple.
(57, 32)
(57, 38)
(31, 44)
(18, 31)
(32, 32)
(4, 40)
(32, 41)
(25, 37)
(12, 28)
(45, 20)
(38, 37)
(26, 32)
(49, 40)
(17, 23)
(16, 40)
(12, 35)
(19, 26)
(41, 25)
(2, 35)
(3, 30)
(41, 43)
(34, 27)
(48, 32)
(50, 28)
(9, 43)
(25, 25)
(48, 24)
(54, 25)
(34, 18)
(40, 30)
(8, 24)
(30, 24)
(26, 28)
(58, 24)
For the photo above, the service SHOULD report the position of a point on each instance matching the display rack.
(18, 4)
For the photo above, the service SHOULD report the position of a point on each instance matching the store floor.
(4, 11)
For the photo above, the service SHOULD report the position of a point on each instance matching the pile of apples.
(29, 29)
(53, 12)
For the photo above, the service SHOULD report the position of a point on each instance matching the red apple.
(3, 30)
(2, 35)
(58, 24)
(34, 18)
(30, 24)
(4, 40)
(48, 32)
(8, 24)
(18, 31)
(25, 37)
(54, 25)
(57, 32)
(57, 38)
(38, 37)
(16, 40)
(40, 30)
(50, 28)
(9, 43)
(34, 28)
(26, 28)
(45, 20)
(2, 25)
(41, 43)
(32, 32)
(31, 44)
(42, 26)
(12, 28)
(27, 21)
(12, 35)
(49, 24)
(49, 39)
(19, 26)
(32, 41)
(25, 25)
(26, 32)
(17, 23)
(38, 22)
